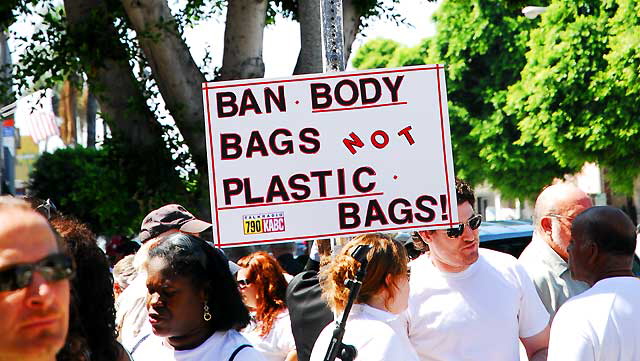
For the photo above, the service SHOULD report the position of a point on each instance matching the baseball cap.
(168, 217)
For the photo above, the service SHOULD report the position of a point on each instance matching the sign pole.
(332, 35)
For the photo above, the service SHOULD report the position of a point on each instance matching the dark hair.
(207, 268)
(608, 227)
(271, 287)
(92, 316)
(464, 193)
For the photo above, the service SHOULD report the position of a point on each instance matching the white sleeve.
(533, 316)
(568, 341)
(284, 337)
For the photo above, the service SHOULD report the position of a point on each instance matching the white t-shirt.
(477, 314)
(376, 334)
(219, 347)
(601, 324)
(132, 315)
(277, 343)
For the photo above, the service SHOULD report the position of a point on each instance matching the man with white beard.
(545, 258)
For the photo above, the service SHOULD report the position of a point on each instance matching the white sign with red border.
(327, 155)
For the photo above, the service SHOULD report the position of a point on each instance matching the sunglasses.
(243, 283)
(47, 209)
(55, 267)
(473, 223)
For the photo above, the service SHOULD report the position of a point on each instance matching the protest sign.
(327, 155)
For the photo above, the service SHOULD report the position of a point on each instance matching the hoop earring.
(207, 315)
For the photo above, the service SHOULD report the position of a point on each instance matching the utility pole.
(5, 60)
(332, 35)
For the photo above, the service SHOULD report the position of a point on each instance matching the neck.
(614, 267)
(613, 273)
(191, 340)
(444, 267)
(378, 302)
(555, 247)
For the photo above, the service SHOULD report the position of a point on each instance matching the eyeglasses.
(55, 267)
(47, 209)
(243, 283)
(561, 216)
(473, 223)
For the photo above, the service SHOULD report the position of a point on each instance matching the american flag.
(42, 124)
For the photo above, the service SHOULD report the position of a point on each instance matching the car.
(509, 236)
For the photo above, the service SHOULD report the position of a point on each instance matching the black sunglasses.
(243, 283)
(473, 223)
(55, 267)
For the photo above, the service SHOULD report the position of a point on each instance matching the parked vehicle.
(510, 236)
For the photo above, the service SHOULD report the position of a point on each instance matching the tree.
(483, 45)
(104, 39)
(579, 89)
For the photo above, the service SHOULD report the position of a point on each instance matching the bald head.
(609, 228)
(559, 199)
(555, 208)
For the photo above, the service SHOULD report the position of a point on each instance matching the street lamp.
(533, 11)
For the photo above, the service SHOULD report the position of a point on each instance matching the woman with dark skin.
(194, 305)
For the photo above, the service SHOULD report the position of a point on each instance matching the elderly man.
(545, 258)
(34, 286)
(601, 324)
(471, 304)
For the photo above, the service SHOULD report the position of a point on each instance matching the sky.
(282, 40)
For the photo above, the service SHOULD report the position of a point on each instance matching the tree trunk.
(136, 137)
(92, 110)
(176, 73)
(636, 198)
(243, 36)
(310, 56)
(67, 111)
(122, 103)
(351, 20)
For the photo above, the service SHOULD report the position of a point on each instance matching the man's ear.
(545, 224)
(425, 235)
(594, 252)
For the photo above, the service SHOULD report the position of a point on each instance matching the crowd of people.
(571, 296)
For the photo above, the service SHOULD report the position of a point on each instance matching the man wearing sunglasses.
(471, 304)
(34, 286)
(545, 258)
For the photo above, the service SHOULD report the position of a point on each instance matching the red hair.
(268, 276)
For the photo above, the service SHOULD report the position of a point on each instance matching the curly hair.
(385, 257)
(207, 268)
(267, 275)
(92, 316)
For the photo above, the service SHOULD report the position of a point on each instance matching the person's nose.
(40, 293)
(154, 300)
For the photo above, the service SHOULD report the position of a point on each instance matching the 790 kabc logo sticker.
(263, 223)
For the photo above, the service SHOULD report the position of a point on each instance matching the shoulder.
(235, 344)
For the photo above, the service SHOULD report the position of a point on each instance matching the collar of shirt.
(364, 311)
(548, 256)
